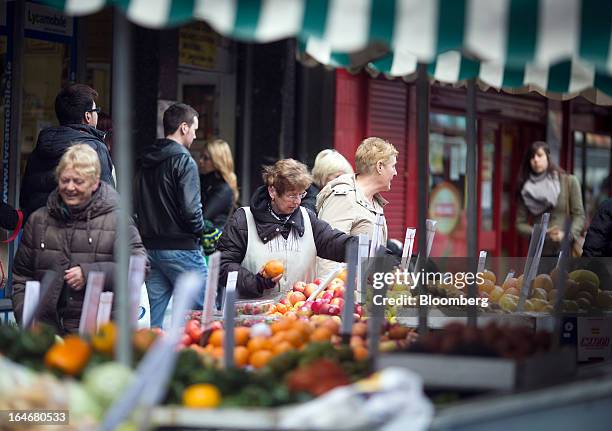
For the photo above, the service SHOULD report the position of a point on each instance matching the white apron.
(298, 254)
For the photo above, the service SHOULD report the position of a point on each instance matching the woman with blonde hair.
(73, 235)
(218, 182)
(352, 202)
(275, 226)
(329, 164)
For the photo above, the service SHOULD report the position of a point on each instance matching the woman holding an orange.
(275, 227)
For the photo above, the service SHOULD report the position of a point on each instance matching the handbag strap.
(567, 195)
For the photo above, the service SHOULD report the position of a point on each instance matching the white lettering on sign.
(41, 18)
(595, 342)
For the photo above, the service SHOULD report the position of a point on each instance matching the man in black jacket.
(77, 113)
(169, 209)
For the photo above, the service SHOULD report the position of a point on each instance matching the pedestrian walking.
(168, 208)
(77, 113)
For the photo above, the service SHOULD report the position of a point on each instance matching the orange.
(216, 338)
(302, 326)
(260, 358)
(241, 335)
(277, 338)
(294, 337)
(258, 343)
(273, 268)
(217, 353)
(241, 356)
(201, 396)
(360, 353)
(321, 334)
(280, 325)
(282, 347)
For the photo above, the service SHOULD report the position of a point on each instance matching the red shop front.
(367, 106)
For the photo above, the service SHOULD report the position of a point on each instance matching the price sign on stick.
(532, 268)
(228, 319)
(533, 243)
(509, 276)
(482, 260)
(349, 293)
(43, 297)
(30, 302)
(89, 313)
(408, 247)
(159, 360)
(104, 309)
(561, 271)
(136, 278)
(362, 255)
(431, 233)
(212, 282)
(381, 264)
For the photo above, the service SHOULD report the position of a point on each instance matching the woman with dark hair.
(545, 187)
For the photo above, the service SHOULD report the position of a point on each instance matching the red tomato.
(194, 330)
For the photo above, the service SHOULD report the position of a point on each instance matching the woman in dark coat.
(275, 226)
(73, 235)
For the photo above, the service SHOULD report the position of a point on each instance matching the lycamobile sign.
(40, 18)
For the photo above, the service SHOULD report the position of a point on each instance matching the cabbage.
(84, 409)
(107, 381)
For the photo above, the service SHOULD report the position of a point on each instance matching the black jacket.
(310, 200)
(598, 241)
(217, 199)
(330, 243)
(167, 198)
(39, 178)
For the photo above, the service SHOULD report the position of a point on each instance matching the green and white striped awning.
(505, 43)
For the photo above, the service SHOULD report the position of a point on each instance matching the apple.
(295, 297)
(358, 309)
(333, 310)
(299, 286)
(320, 294)
(317, 281)
(299, 304)
(309, 289)
(356, 317)
(324, 309)
(338, 302)
(216, 325)
(285, 301)
(316, 306)
(339, 292)
(304, 311)
(328, 295)
(338, 281)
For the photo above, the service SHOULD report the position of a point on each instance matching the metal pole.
(122, 90)
(245, 183)
(422, 89)
(472, 189)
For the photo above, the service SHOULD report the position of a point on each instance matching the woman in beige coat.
(351, 202)
(544, 187)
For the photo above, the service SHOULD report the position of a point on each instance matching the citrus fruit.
(241, 335)
(260, 358)
(216, 338)
(258, 343)
(321, 334)
(273, 268)
(201, 396)
(241, 356)
(282, 347)
(360, 353)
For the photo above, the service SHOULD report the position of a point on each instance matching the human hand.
(74, 278)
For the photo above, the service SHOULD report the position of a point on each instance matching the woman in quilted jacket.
(72, 236)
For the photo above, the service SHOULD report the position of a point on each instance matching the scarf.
(541, 192)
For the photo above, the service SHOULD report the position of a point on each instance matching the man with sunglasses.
(77, 113)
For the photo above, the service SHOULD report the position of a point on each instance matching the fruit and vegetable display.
(492, 340)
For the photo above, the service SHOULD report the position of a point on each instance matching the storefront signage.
(41, 18)
(594, 338)
(445, 207)
(198, 46)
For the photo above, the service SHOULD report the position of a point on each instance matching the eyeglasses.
(97, 109)
(296, 197)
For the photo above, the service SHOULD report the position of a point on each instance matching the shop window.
(592, 167)
(40, 89)
(447, 170)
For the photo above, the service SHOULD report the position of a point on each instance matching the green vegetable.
(106, 382)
